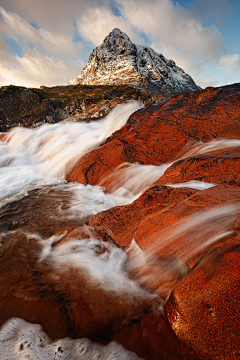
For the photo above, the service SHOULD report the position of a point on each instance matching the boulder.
(97, 163)
(66, 301)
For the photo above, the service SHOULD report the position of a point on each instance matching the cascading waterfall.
(35, 162)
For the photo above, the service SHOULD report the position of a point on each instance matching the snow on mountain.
(118, 61)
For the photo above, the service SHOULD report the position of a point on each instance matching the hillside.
(20, 106)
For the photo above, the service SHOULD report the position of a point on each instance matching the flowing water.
(38, 207)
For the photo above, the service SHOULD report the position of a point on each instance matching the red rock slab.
(173, 249)
(202, 115)
(158, 209)
(200, 201)
(120, 223)
(169, 258)
(76, 233)
(98, 163)
(68, 303)
(204, 309)
(158, 134)
(22, 294)
(152, 339)
(223, 167)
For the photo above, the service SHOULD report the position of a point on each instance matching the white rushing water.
(132, 179)
(44, 154)
(193, 184)
(105, 267)
(35, 159)
(197, 231)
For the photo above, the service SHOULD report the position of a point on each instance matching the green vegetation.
(66, 93)
(29, 106)
(10, 90)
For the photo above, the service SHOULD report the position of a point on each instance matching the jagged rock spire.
(119, 61)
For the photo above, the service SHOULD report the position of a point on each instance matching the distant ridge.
(119, 61)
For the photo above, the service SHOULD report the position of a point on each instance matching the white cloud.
(230, 63)
(23, 32)
(35, 69)
(96, 23)
(48, 58)
(172, 25)
(52, 26)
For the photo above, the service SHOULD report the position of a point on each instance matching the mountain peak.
(119, 61)
(116, 31)
(117, 43)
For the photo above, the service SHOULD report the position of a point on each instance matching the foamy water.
(214, 145)
(36, 159)
(101, 262)
(20, 340)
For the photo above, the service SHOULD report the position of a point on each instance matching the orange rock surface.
(189, 239)
(204, 310)
(158, 134)
(220, 167)
(185, 249)
(2, 137)
(120, 224)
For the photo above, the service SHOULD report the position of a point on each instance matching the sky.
(48, 42)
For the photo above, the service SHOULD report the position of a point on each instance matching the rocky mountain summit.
(119, 61)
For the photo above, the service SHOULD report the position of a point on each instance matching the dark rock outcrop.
(21, 106)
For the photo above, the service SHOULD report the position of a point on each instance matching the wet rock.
(101, 163)
(151, 229)
(50, 215)
(152, 338)
(204, 310)
(173, 229)
(121, 224)
(159, 133)
(220, 167)
(66, 302)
